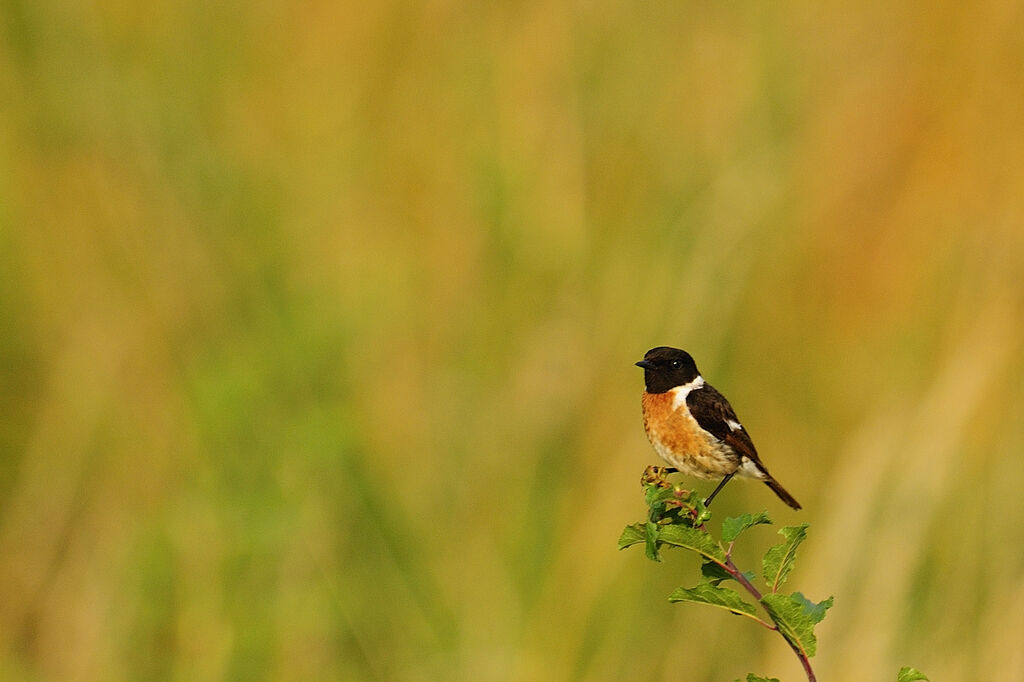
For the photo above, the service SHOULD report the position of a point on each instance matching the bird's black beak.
(646, 364)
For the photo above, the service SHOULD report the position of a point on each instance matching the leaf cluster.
(678, 518)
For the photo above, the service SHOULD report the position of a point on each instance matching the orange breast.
(681, 442)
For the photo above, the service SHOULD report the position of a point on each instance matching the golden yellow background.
(318, 323)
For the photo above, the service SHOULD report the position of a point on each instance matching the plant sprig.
(678, 518)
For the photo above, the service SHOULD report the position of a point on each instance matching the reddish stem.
(738, 576)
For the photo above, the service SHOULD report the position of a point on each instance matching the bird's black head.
(665, 368)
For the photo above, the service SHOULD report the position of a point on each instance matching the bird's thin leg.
(707, 502)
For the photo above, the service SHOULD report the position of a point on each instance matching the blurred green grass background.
(319, 322)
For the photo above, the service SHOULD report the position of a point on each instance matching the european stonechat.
(693, 427)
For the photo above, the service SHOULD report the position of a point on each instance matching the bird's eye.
(676, 364)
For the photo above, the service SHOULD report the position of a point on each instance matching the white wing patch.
(734, 425)
(748, 469)
(679, 393)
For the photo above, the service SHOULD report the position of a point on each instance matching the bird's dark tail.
(781, 492)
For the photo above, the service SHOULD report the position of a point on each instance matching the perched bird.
(693, 427)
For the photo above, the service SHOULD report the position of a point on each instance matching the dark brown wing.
(713, 412)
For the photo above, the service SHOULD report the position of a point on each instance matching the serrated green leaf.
(706, 593)
(732, 527)
(655, 494)
(796, 618)
(908, 674)
(778, 561)
(816, 612)
(651, 534)
(631, 535)
(668, 505)
(714, 573)
(703, 513)
(693, 539)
